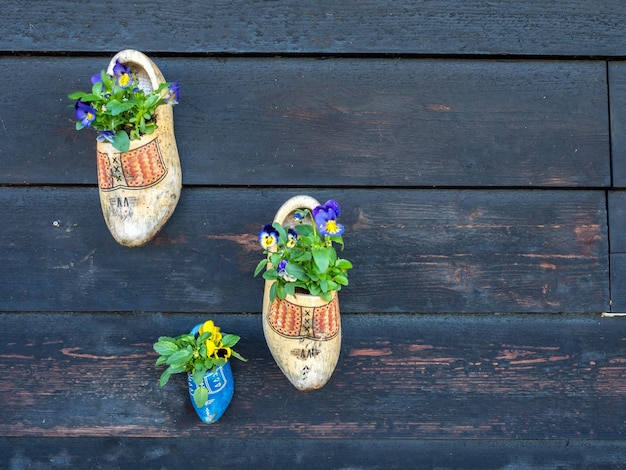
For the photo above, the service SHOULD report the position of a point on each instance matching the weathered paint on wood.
(454, 27)
(372, 103)
(414, 251)
(229, 454)
(617, 232)
(336, 122)
(617, 77)
(398, 377)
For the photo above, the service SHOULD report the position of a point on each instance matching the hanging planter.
(204, 354)
(301, 318)
(139, 174)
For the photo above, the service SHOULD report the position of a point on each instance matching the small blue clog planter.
(221, 387)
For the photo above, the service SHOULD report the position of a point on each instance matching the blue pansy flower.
(173, 93)
(84, 113)
(325, 217)
(268, 237)
(292, 237)
(281, 269)
(105, 136)
(122, 74)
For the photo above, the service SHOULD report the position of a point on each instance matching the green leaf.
(296, 271)
(304, 256)
(238, 356)
(179, 358)
(304, 230)
(275, 258)
(321, 258)
(165, 347)
(121, 141)
(314, 289)
(290, 288)
(273, 291)
(200, 396)
(165, 376)
(229, 340)
(160, 361)
(84, 97)
(260, 266)
(282, 233)
(198, 375)
(327, 296)
(270, 275)
(340, 279)
(343, 264)
(115, 107)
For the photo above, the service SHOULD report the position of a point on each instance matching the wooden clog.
(140, 189)
(303, 332)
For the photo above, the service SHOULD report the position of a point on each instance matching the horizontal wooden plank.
(232, 454)
(413, 251)
(617, 79)
(347, 122)
(527, 27)
(398, 377)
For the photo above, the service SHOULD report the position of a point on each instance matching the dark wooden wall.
(478, 150)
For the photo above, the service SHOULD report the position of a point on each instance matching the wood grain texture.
(617, 78)
(617, 220)
(230, 454)
(341, 122)
(524, 27)
(413, 250)
(398, 377)
(618, 282)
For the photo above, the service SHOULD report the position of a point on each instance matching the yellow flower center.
(124, 80)
(331, 226)
(268, 241)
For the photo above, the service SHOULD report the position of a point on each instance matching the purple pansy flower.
(325, 217)
(281, 269)
(84, 113)
(173, 93)
(105, 136)
(122, 74)
(97, 78)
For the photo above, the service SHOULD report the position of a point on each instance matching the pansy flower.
(325, 218)
(105, 136)
(173, 93)
(210, 327)
(268, 237)
(85, 113)
(281, 269)
(292, 237)
(223, 352)
(97, 78)
(122, 74)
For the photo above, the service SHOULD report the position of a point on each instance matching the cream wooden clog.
(140, 189)
(303, 332)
